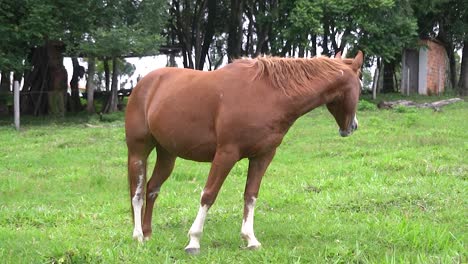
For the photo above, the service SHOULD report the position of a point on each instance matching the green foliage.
(96, 27)
(393, 192)
(404, 109)
(379, 27)
(364, 105)
(304, 18)
(20, 30)
(126, 28)
(385, 27)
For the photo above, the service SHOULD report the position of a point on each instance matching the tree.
(235, 25)
(41, 32)
(463, 83)
(195, 23)
(90, 85)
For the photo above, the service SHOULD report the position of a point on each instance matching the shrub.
(366, 106)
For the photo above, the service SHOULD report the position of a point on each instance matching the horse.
(242, 110)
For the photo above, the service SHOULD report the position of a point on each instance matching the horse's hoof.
(138, 237)
(192, 251)
(254, 247)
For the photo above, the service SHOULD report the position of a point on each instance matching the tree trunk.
(388, 73)
(301, 52)
(58, 78)
(5, 93)
(202, 39)
(249, 51)
(434, 105)
(90, 85)
(106, 73)
(171, 62)
(235, 30)
(75, 103)
(325, 51)
(446, 39)
(209, 33)
(46, 84)
(112, 102)
(345, 35)
(313, 48)
(375, 82)
(5, 82)
(452, 67)
(262, 30)
(32, 101)
(463, 82)
(286, 48)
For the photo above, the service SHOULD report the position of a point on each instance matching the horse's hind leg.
(138, 152)
(162, 170)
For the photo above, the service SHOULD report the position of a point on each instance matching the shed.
(424, 70)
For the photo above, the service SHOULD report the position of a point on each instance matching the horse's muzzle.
(352, 127)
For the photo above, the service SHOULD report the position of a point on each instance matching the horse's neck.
(305, 102)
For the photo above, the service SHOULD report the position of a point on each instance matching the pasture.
(393, 192)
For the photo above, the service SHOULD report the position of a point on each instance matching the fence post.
(16, 103)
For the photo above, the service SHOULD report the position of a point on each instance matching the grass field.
(394, 192)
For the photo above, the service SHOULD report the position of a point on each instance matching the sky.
(143, 66)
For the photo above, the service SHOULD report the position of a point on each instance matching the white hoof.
(192, 251)
(254, 246)
(138, 236)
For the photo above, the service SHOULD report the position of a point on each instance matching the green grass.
(394, 192)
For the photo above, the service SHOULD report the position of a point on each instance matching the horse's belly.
(204, 152)
(191, 148)
(185, 138)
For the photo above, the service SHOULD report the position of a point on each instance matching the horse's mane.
(294, 75)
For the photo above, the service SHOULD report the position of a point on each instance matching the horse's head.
(343, 107)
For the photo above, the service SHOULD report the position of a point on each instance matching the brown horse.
(242, 110)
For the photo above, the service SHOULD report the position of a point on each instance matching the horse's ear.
(338, 55)
(358, 60)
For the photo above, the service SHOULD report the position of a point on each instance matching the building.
(424, 70)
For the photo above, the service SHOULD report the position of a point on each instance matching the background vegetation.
(394, 192)
(205, 33)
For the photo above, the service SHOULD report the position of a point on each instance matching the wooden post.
(16, 102)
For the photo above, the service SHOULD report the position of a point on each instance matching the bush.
(404, 109)
(366, 106)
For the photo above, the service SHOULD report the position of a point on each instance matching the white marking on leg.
(196, 230)
(342, 72)
(247, 230)
(137, 202)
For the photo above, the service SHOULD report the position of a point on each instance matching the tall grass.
(394, 192)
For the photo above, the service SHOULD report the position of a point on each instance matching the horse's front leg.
(222, 164)
(257, 168)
